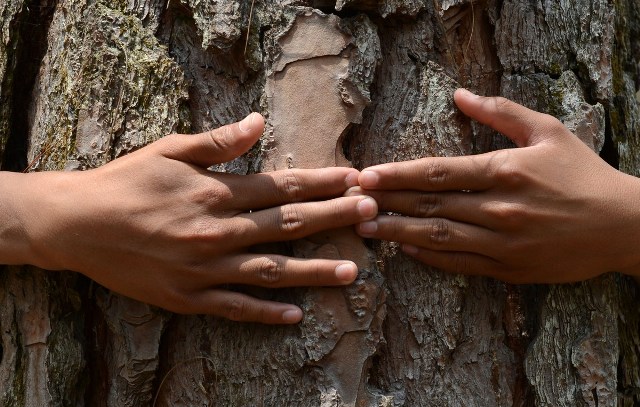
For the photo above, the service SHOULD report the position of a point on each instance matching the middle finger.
(297, 220)
(281, 271)
(458, 206)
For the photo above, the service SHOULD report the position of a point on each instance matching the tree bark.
(346, 82)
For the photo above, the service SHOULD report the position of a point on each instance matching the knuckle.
(508, 173)
(204, 232)
(235, 310)
(427, 204)
(289, 187)
(502, 103)
(507, 214)
(435, 173)
(220, 137)
(292, 221)
(271, 271)
(439, 232)
(211, 197)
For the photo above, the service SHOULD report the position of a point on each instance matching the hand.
(550, 211)
(157, 226)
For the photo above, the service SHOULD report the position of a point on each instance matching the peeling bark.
(359, 83)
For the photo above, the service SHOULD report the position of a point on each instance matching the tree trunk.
(350, 82)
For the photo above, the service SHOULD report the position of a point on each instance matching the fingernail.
(368, 228)
(352, 179)
(347, 271)
(354, 191)
(410, 249)
(292, 316)
(367, 208)
(368, 179)
(247, 123)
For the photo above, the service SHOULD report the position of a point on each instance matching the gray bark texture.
(345, 82)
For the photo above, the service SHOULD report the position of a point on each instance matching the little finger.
(455, 262)
(241, 307)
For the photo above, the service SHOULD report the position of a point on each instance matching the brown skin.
(550, 211)
(157, 226)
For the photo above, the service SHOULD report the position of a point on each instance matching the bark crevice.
(25, 57)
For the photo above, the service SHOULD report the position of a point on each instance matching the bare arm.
(159, 227)
(549, 211)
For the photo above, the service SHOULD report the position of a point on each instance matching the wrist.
(631, 234)
(28, 204)
(14, 240)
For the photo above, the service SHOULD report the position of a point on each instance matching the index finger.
(431, 174)
(266, 190)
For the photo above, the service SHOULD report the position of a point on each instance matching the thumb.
(523, 126)
(215, 146)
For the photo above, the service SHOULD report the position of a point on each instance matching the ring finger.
(281, 271)
(431, 233)
(459, 206)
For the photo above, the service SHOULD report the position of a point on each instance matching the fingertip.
(367, 229)
(410, 249)
(464, 97)
(351, 180)
(464, 93)
(460, 92)
(367, 208)
(347, 272)
(254, 121)
(292, 315)
(369, 179)
(354, 191)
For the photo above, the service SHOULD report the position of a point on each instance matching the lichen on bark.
(106, 87)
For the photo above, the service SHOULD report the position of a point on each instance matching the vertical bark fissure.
(26, 54)
(624, 128)
(609, 151)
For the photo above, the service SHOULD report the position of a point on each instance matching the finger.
(297, 220)
(244, 308)
(265, 190)
(515, 121)
(455, 262)
(431, 174)
(459, 206)
(215, 146)
(432, 233)
(280, 271)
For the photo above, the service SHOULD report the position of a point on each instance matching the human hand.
(550, 211)
(157, 226)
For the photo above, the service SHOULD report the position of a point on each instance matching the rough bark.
(346, 82)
